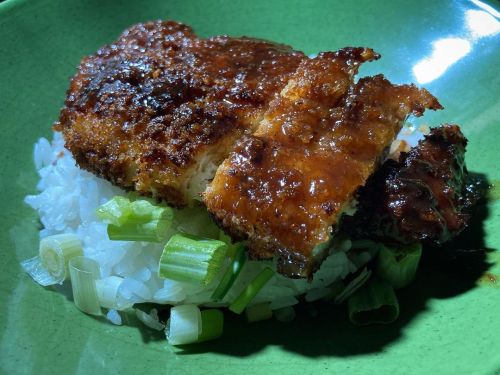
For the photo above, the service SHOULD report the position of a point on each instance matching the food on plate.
(423, 196)
(239, 173)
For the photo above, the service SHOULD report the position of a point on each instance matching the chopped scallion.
(246, 296)
(152, 231)
(51, 266)
(212, 325)
(116, 211)
(354, 285)
(139, 220)
(107, 292)
(84, 272)
(399, 266)
(375, 302)
(258, 312)
(191, 259)
(237, 260)
(184, 325)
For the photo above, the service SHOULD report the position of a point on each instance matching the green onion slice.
(191, 259)
(399, 266)
(152, 231)
(184, 325)
(375, 302)
(258, 312)
(107, 292)
(116, 211)
(84, 272)
(354, 285)
(212, 325)
(246, 296)
(237, 260)
(139, 220)
(51, 265)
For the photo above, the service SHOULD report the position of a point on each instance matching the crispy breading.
(160, 106)
(285, 187)
(288, 138)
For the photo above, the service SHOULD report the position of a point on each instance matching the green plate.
(448, 325)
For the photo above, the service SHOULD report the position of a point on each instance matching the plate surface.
(447, 326)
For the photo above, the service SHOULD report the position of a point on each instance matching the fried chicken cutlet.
(158, 110)
(289, 139)
(286, 186)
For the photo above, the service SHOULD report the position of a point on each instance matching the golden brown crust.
(285, 186)
(143, 111)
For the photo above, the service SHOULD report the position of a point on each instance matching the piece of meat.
(424, 196)
(285, 187)
(158, 110)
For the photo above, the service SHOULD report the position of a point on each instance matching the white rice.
(67, 202)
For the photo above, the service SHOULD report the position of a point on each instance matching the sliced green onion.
(139, 220)
(51, 266)
(184, 325)
(399, 266)
(38, 273)
(238, 259)
(190, 259)
(258, 312)
(335, 289)
(84, 272)
(375, 302)
(246, 296)
(354, 285)
(212, 325)
(152, 231)
(116, 211)
(107, 292)
(56, 251)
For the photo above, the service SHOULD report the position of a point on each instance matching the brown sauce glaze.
(146, 109)
(285, 186)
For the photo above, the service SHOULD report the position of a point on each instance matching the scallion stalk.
(51, 265)
(375, 302)
(399, 266)
(107, 292)
(84, 272)
(237, 260)
(139, 220)
(258, 312)
(184, 325)
(191, 259)
(152, 231)
(212, 325)
(116, 211)
(246, 296)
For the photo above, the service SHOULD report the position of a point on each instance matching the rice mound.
(67, 201)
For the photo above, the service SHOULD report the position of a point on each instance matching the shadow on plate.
(324, 330)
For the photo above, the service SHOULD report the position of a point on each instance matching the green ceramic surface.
(446, 327)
